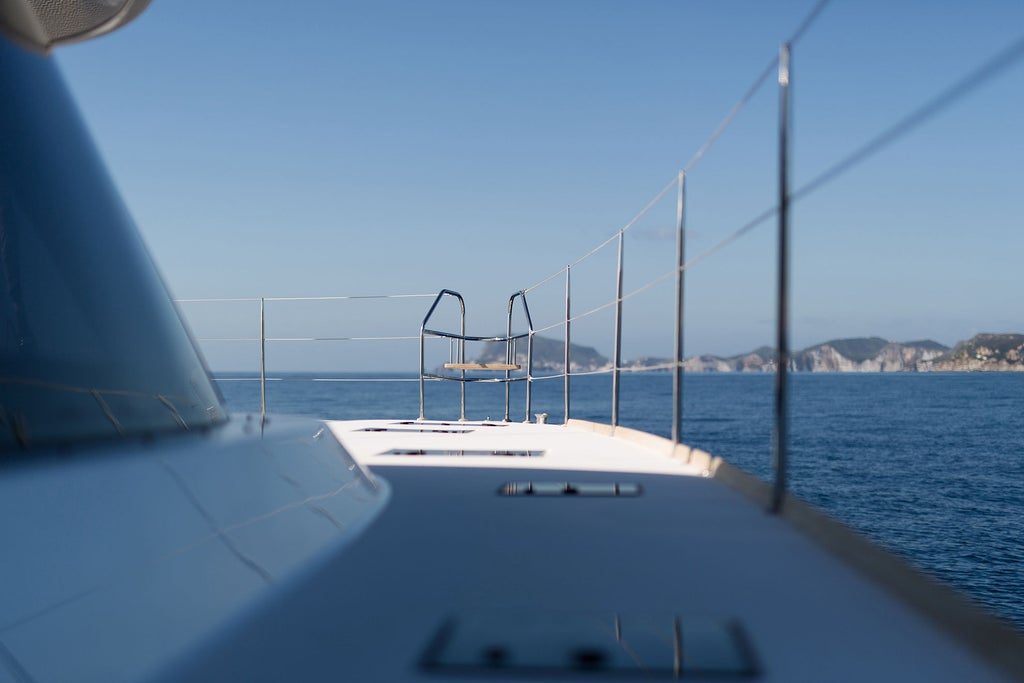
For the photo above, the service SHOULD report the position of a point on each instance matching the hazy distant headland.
(980, 353)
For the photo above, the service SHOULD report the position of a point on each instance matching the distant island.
(981, 353)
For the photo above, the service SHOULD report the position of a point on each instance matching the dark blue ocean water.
(929, 465)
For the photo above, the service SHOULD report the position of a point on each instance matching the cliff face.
(870, 354)
(760, 360)
(707, 364)
(983, 353)
(866, 355)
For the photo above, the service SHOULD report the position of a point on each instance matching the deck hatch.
(569, 488)
(661, 646)
(415, 431)
(447, 424)
(463, 452)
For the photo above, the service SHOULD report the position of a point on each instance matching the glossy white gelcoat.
(116, 560)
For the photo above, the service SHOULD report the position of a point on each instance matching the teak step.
(482, 366)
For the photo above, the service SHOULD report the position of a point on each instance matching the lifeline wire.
(296, 339)
(629, 295)
(990, 69)
(304, 298)
(808, 20)
(729, 239)
(768, 70)
(755, 86)
(639, 290)
(719, 130)
(961, 88)
(593, 311)
(630, 224)
(319, 379)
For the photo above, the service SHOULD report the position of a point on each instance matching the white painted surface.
(564, 448)
(277, 559)
(449, 545)
(116, 560)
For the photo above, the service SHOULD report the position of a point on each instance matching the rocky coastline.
(981, 353)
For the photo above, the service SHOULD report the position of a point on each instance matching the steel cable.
(715, 134)
(304, 298)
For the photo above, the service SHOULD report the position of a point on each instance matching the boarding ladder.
(457, 354)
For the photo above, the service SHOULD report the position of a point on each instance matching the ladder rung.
(482, 366)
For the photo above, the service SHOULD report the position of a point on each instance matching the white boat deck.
(455, 579)
(575, 448)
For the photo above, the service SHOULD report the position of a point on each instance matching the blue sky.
(397, 147)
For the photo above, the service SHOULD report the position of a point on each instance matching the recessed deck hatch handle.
(560, 488)
(659, 646)
(417, 431)
(464, 452)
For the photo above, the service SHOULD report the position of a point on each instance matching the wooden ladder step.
(482, 366)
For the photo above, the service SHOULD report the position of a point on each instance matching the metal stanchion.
(677, 383)
(618, 337)
(568, 317)
(263, 361)
(782, 330)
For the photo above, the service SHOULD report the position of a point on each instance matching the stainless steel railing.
(263, 338)
(457, 354)
(779, 211)
(458, 340)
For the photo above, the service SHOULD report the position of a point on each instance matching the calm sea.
(929, 465)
